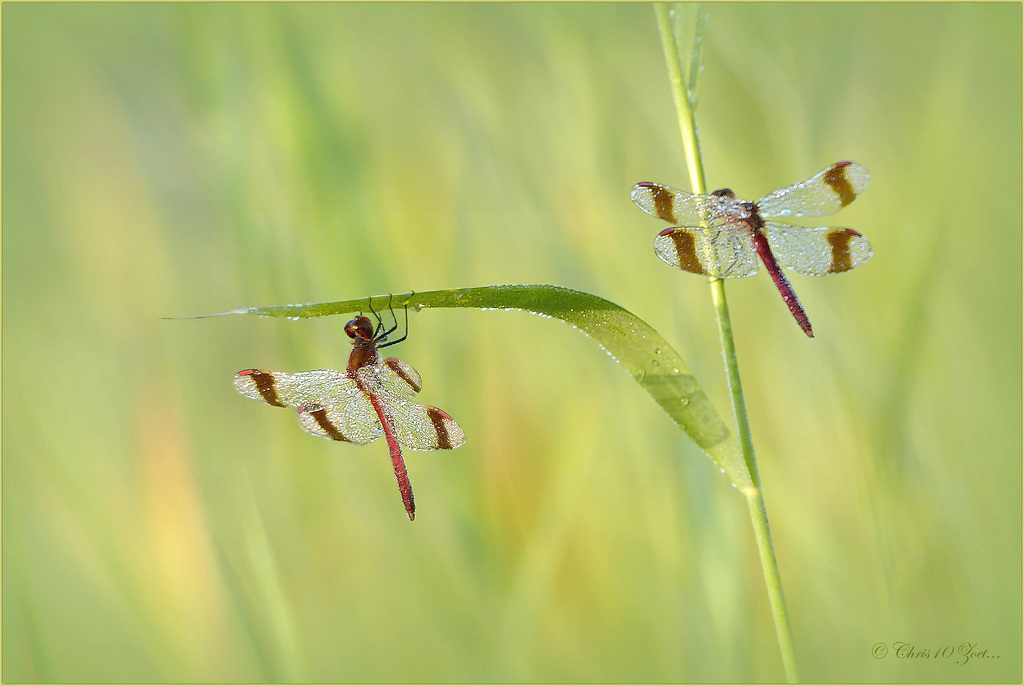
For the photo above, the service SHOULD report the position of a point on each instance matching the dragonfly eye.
(359, 327)
(724, 193)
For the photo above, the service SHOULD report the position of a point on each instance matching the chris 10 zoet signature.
(963, 653)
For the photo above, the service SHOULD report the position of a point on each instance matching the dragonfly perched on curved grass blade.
(373, 396)
(725, 237)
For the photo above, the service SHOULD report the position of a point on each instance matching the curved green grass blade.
(641, 350)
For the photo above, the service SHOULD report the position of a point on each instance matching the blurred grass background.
(180, 159)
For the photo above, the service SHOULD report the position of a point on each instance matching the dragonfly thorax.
(735, 210)
(753, 216)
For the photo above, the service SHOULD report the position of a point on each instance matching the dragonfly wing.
(819, 251)
(283, 389)
(352, 420)
(399, 378)
(720, 251)
(672, 204)
(328, 402)
(422, 427)
(393, 383)
(819, 196)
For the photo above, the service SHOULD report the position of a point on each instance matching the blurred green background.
(172, 160)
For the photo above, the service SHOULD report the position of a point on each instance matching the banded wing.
(328, 402)
(817, 252)
(673, 205)
(819, 196)
(423, 427)
(398, 377)
(719, 252)
(419, 427)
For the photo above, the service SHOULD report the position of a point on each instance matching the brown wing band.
(837, 181)
(686, 251)
(662, 203)
(437, 417)
(265, 385)
(841, 259)
(332, 431)
(393, 365)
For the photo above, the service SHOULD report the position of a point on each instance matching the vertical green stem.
(682, 93)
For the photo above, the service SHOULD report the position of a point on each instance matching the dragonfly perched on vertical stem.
(373, 396)
(726, 237)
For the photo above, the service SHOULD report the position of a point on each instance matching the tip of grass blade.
(237, 310)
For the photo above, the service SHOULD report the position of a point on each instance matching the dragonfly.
(725, 237)
(373, 396)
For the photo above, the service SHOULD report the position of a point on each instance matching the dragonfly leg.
(405, 335)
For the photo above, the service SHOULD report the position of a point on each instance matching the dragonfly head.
(360, 327)
(724, 193)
